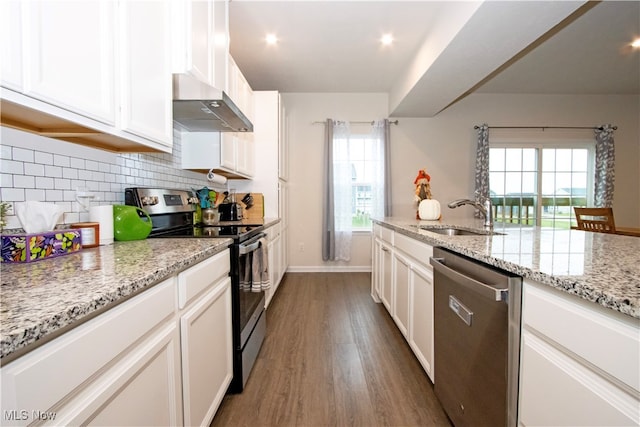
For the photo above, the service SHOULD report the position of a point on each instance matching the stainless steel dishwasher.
(476, 340)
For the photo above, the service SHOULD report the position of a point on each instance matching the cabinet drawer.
(386, 234)
(414, 248)
(196, 279)
(44, 376)
(602, 337)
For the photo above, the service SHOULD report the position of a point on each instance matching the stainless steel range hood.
(198, 107)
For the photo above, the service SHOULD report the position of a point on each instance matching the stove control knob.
(192, 200)
(149, 200)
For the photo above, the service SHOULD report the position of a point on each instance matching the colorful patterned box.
(34, 247)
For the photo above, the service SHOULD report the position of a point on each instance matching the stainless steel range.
(171, 213)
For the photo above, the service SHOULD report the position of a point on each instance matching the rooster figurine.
(423, 188)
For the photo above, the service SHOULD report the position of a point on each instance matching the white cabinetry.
(201, 40)
(583, 373)
(206, 340)
(57, 35)
(163, 357)
(402, 280)
(229, 154)
(276, 261)
(105, 370)
(88, 72)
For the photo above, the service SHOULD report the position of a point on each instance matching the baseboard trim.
(330, 269)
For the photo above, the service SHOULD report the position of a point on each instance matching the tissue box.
(34, 247)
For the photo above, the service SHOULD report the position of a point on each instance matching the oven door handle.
(245, 248)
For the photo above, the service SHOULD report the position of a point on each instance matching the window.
(362, 155)
(539, 184)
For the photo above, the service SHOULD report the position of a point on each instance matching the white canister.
(103, 215)
(429, 209)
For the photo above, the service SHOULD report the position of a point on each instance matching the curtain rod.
(546, 127)
(392, 122)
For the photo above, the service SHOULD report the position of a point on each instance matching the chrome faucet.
(485, 209)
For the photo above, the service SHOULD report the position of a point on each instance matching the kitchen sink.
(451, 231)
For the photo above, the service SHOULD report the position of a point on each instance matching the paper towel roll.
(104, 216)
(215, 178)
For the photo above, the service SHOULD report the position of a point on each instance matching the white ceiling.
(442, 51)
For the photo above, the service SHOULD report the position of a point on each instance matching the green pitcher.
(128, 225)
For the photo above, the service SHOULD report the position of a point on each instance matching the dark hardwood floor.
(332, 357)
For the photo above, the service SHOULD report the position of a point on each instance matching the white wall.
(445, 145)
(306, 142)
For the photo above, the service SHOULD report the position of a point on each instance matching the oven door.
(251, 296)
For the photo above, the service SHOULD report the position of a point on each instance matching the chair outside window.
(595, 219)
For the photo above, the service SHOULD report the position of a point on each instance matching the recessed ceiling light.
(635, 43)
(386, 39)
(271, 39)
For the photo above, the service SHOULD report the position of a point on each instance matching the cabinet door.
(144, 389)
(200, 47)
(386, 284)
(146, 70)
(421, 313)
(246, 154)
(207, 354)
(11, 44)
(557, 390)
(283, 146)
(71, 62)
(228, 152)
(401, 285)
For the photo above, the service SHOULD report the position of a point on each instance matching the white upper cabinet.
(92, 72)
(10, 45)
(69, 55)
(201, 40)
(146, 105)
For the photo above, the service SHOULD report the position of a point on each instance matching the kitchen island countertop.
(598, 267)
(43, 299)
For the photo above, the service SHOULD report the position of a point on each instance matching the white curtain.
(342, 185)
(380, 199)
(337, 196)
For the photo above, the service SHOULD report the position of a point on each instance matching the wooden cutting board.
(257, 208)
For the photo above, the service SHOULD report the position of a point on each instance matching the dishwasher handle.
(495, 294)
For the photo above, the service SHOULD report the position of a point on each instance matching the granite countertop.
(43, 299)
(598, 267)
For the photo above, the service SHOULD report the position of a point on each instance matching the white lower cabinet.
(276, 267)
(207, 358)
(164, 357)
(421, 317)
(402, 280)
(585, 372)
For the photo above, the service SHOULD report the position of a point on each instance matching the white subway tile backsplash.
(38, 195)
(53, 171)
(62, 161)
(22, 155)
(11, 166)
(44, 182)
(76, 163)
(6, 180)
(5, 152)
(61, 184)
(54, 195)
(43, 158)
(24, 181)
(91, 165)
(33, 169)
(70, 173)
(39, 168)
(12, 194)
